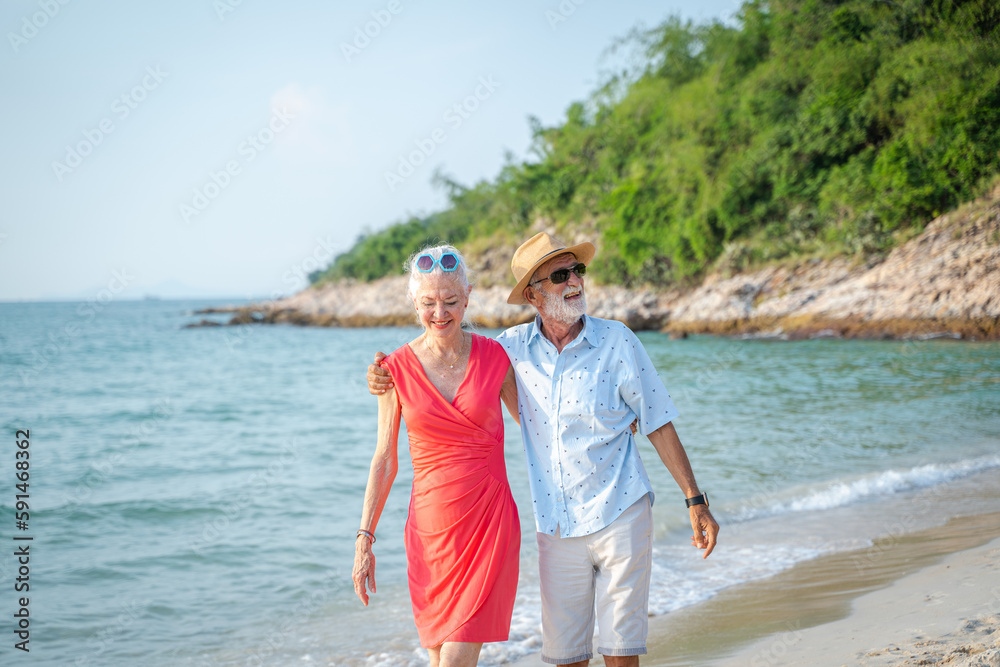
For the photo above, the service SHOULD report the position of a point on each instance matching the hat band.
(542, 258)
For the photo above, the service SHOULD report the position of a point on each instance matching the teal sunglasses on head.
(448, 262)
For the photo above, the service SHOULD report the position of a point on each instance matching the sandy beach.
(926, 598)
(947, 613)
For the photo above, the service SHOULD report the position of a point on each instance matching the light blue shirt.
(586, 472)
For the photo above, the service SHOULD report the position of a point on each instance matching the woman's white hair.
(461, 275)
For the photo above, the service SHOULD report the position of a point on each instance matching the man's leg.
(621, 661)
(566, 577)
(623, 554)
(610, 661)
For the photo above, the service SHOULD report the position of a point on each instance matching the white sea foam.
(418, 658)
(845, 492)
(680, 577)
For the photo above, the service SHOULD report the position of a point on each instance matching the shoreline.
(936, 589)
(947, 610)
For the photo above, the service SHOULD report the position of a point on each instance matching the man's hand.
(706, 530)
(379, 378)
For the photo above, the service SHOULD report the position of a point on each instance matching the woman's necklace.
(451, 365)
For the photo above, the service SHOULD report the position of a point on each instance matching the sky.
(227, 148)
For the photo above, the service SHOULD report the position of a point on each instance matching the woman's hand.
(364, 568)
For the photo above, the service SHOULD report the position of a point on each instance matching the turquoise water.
(194, 492)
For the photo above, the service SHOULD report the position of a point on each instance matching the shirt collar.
(589, 332)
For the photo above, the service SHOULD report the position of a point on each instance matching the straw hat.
(534, 252)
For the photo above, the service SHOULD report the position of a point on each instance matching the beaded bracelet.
(370, 536)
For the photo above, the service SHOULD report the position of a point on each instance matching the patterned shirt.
(586, 472)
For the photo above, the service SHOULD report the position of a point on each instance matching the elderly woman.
(462, 533)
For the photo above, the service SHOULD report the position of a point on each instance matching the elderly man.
(582, 381)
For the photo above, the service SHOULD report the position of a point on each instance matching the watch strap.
(697, 500)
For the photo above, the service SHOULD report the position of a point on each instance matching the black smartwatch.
(697, 500)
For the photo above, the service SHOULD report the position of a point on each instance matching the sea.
(192, 494)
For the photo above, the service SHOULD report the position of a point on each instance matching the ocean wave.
(681, 579)
(846, 492)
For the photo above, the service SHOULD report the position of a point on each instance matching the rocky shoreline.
(943, 283)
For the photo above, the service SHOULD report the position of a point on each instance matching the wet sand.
(928, 597)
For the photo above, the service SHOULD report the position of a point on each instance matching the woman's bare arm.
(385, 464)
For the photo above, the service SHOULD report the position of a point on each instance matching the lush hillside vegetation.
(834, 126)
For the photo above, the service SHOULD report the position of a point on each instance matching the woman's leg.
(455, 654)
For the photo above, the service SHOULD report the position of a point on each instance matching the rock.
(945, 283)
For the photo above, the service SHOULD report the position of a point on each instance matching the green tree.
(810, 124)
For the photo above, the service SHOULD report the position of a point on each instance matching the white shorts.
(610, 567)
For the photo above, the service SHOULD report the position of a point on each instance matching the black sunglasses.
(560, 276)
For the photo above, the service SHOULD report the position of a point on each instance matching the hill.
(775, 177)
(943, 283)
(810, 129)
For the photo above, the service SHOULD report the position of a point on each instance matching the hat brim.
(584, 252)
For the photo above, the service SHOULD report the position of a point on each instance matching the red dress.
(462, 532)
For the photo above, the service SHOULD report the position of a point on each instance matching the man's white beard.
(562, 311)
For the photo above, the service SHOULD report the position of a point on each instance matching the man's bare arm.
(379, 378)
(668, 446)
